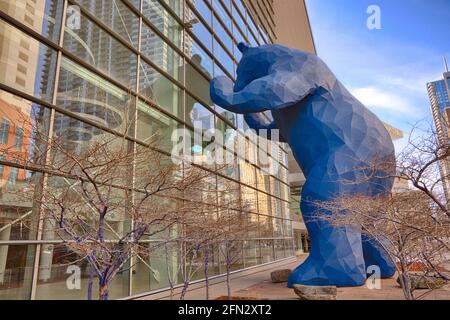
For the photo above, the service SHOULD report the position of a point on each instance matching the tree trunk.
(228, 281)
(103, 284)
(91, 282)
(103, 292)
(206, 274)
(183, 292)
(405, 281)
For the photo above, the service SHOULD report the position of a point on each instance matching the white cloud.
(375, 98)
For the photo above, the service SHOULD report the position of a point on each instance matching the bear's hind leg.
(336, 256)
(375, 254)
(337, 260)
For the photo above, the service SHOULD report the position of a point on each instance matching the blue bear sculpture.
(333, 138)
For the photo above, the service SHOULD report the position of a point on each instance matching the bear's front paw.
(222, 91)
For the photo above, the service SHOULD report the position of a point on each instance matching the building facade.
(73, 66)
(439, 94)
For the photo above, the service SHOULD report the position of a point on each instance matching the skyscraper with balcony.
(439, 94)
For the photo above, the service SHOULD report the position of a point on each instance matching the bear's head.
(273, 75)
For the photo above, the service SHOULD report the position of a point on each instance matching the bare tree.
(412, 225)
(236, 225)
(104, 198)
(207, 218)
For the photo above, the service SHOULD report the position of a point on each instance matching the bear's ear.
(242, 46)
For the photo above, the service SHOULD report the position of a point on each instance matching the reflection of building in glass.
(439, 94)
(149, 60)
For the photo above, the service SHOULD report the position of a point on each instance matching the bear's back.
(333, 124)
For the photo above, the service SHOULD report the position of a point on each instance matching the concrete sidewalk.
(239, 281)
(390, 290)
(255, 284)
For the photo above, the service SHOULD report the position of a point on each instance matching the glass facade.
(439, 94)
(83, 69)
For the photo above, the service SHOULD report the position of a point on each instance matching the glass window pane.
(198, 84)
(43, 16)
(203, 9)
(279, 249)
(223, 36)
(266, 226)
(88, 95)
(153, 125)
(160, 53)
(58, 263)
(198, 57)
(220, 11)
(153, 272)
(176, 6)
(96, 47)
(267, 254)
(277, 228)
(252, 254)
(23, 130)
(249, 198)
(117, 16)
(25, 63)
(224, 58)
(163, 21)
(18, 208)
(203, 34)
(197, 115)
(16, 270)
(160, 90)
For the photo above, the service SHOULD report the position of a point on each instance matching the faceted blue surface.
(334, 139)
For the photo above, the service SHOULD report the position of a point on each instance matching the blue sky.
(386, 69)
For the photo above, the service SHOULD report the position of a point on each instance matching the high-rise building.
(77, 68)
(439, 94)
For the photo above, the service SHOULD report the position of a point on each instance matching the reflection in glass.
(116, 15)
(197, 115)
(163, 21)
(60, 264)
(203, 34)
(224, 58)
(160, 53)
(18, 221)
(198, 56)
(26, 64)
(92, 97)
(16, 270)
(153, 125)
(196, 82)
(19, 187)
(42, 16)
(279, 249)
(96, 47)
(161, 90)
(204, 10)
(158, 270)
(266, 226)
(267, 254)
(220, 11)
(77, 140)
(252, 255)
